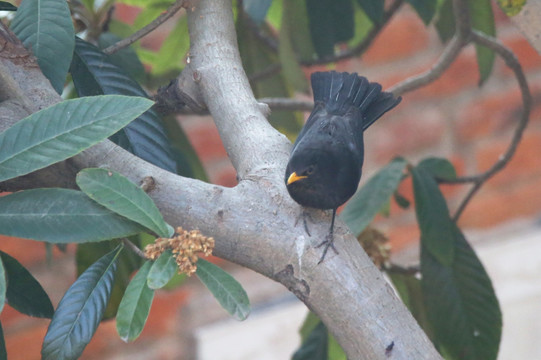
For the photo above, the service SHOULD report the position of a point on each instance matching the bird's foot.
(328, 243)
(304, 214)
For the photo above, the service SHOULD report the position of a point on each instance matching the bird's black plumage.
(326, 161)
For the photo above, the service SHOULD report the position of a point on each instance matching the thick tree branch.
(254, 223)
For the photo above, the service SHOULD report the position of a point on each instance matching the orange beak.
(294, 177)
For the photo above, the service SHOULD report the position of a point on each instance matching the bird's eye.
(310, 170)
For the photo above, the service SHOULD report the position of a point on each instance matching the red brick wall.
(452, 117)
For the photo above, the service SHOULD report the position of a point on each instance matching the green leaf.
(401, 200)
(331, 22)
(335, 350)
(127, 262)
(373, 8)
(437, 228)
(173, 49)
(225, 289)
(371, 198)
(93, 73)
(46, 28)
(425, 9)
(461, 303)
(64, 130)
(445, 23)
(125, 58)
(60, 216)
(288, 58)
(438, 167)
(511, 7)
(80, 311)
(24, 293)
(482, 19)
(315, 347)
(135, 305)
(5, 6)
(118, 194)
(3, 350)
(162, 270)
(3, 286)
(295, 19)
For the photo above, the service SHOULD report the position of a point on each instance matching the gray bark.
(254, 222)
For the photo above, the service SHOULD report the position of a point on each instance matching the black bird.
(326, 160)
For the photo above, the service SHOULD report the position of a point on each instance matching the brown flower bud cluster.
(186, 247)
(375, 244)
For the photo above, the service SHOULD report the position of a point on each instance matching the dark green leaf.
(331, 22)
(80, 311)
(373, 8)
(46, 28)
(371, 198)
(225, 289)
(256, 9)
(482, 19)
(135, 305)
(439, 168)
(127, 262)
(296, 20)
(63, 130)
(425, 8)
(461, 304)
(60, 216)
(401, 200)
(120, 195)
(5, 6)
(124, 58)
(24, 293)
(316, 345)
(437, 228)
(162, 270)
(445, 23)
(93, 73)
(3, 351)
(308, 325)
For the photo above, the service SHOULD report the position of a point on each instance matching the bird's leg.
(304, 215)
(329, 240)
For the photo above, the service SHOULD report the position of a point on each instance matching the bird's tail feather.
(341, 91)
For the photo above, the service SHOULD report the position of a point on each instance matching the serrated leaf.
(127, 262)
(46, 28)
(118, 194)
(5, 6)
(80, 311)
(288, 58)
(438, 167)
(371, 198)
(24, 293)
(315, 347)
(373, 9)
(162, 270)
(60, 216)
(482, 19)
(437, 228)
(424, 8)
(135, 305)
(461, 303)
(93, 73)
(511, 7)
(64, 130)
(225, 289)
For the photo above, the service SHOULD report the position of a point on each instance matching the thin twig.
(405, 270)
(512, 62)
(172, 10)
(134, 248)
(287, 104)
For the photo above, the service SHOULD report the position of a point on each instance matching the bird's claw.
(328, 243)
